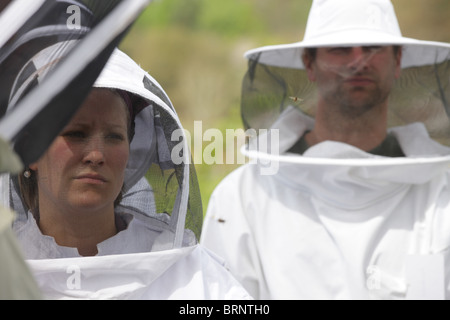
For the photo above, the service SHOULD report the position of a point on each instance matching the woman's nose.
(94, 152)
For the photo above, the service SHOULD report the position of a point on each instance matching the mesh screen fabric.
(421, 94)
(166, 178)
(50, 26)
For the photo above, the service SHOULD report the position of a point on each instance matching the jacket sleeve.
(226, 232)
(16, 280)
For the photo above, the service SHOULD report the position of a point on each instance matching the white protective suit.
(171, 264)
(336, 222)
(333, 230)
(16, 280)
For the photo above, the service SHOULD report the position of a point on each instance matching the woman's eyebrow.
(87, 124)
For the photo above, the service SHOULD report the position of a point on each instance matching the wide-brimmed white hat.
(277, 80)
(352, 23)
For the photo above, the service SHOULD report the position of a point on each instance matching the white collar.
(135, 238)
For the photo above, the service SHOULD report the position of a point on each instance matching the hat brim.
(415, 52)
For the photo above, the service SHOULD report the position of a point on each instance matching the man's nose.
(359, 58)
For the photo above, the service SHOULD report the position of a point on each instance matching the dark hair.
(128, 98)
(28, 191)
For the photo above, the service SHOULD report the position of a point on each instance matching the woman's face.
(85, 165)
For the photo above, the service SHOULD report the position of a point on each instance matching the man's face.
(354, 78)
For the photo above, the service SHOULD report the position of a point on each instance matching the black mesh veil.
(421, 94)
(73, 29)
(276, 77)
(156, 154)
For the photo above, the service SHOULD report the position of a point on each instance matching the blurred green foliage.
(195, 48)
(231, 17)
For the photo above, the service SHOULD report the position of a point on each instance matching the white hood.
(166, 205)
(150, 144)
(177, 268)
(150, 149)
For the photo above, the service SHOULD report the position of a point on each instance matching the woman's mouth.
(91, 178)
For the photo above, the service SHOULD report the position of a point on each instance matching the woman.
(139, 245)
(72, 190)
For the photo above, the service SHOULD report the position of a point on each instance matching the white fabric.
(352, 23)
(186, 273)
(16, 281)
(292, 123)
(137, 237)
(118, 68)
(14, 16)
(324, 230)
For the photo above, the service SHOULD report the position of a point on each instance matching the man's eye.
(340, 50)
(372, 48)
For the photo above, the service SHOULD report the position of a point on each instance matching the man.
(354, 84)
(359, 207)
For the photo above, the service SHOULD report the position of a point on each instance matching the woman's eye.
(83, 135)
(74, 134)
(116, 136)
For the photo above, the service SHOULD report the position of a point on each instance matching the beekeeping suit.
(157, 256)
(336, 222)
